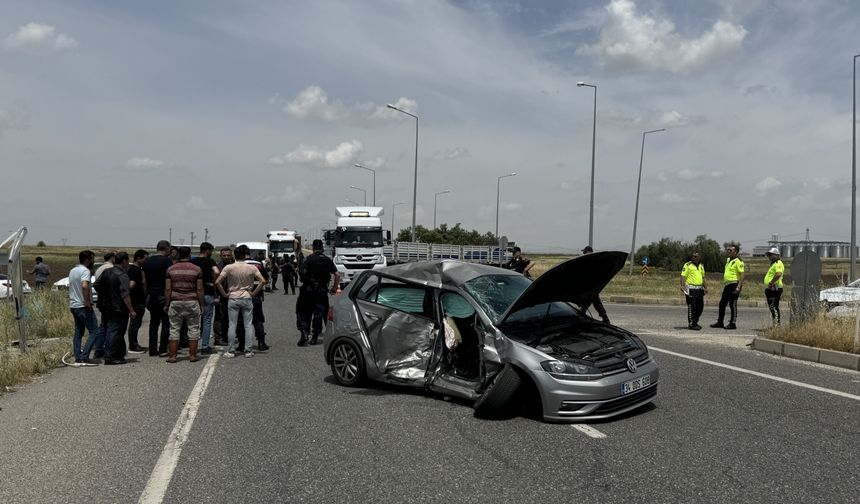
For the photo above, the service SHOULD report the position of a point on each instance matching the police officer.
(773, 283)
(733, 281)
(312, 305)
(694, 289)
(519, 263)
(598, 304)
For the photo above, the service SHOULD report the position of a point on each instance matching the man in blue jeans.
(81, 305)
(244, 281)
(206, 264)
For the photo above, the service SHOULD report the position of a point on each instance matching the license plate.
(634, 385)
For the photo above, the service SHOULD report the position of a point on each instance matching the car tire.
(497, 401)
(347, 363)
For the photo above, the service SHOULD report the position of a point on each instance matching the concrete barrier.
(807, 353)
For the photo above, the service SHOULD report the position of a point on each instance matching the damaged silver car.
(491, 335)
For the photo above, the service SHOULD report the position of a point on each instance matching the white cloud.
(512, 206)
(450, 154)
(690, 174)
(671, 198)
(343, 154)
(766, 185)
(143, 164)
(631, 38)
(650, 118)
(197, 203)
(375, 163)
(291, 194)
(13, 118)
(313, 102)
(37, 35)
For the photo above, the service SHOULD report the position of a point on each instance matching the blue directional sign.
(646, 261)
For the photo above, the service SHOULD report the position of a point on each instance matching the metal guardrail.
(401, 252)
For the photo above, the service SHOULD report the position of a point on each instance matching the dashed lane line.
(760, 375)
(162, 473)
(589, 431)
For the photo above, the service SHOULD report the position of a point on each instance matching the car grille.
(626, 401)
(614, 363)
(359, 266)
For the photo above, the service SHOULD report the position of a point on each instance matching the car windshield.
(359, 237)
(276, 247)
(855, 283)
(496, 293)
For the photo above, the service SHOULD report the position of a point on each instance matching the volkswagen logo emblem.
(631, 365)
(358, 258)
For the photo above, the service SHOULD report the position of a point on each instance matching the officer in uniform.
(773, 283)
(694, 289)
(519, 263)
(733, 280)
(312, 305)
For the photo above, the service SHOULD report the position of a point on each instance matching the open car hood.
(578, 281)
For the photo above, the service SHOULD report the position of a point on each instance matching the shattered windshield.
(358, 237)
(495, 293)
(277, 247)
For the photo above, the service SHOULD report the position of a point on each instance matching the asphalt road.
(276, 428)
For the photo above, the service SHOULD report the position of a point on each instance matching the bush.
(41, 244)
(443, 234)
(672, 254)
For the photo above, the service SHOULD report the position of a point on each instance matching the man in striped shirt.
(183, 291)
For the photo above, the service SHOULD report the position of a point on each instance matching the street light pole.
(498, 198)
(435, 200)
(593, 144)
(362, 190)
(852, 270)
(638, 186)
(359, 165)
(393, 208)
(415, 180)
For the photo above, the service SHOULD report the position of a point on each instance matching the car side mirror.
(388, 237)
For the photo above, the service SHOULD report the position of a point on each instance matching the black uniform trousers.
(311, 308)
(772, 296)
(730, 299)
(157, 316)
(117, 322)
(695, 305)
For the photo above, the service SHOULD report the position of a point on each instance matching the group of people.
(694, 288)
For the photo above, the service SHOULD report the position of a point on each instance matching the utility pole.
(206, 234)
(64, 240)
(192, 238)
(170, 235)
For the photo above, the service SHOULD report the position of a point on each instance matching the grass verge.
(831, 333)
(17, 367)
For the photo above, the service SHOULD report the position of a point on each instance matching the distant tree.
(443, 234)
(672, 254)
(41, 244)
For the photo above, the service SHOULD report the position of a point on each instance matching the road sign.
(644, 269)
(646, 261)
(805, 275)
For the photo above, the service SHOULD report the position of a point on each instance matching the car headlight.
(380, 259)
(570, 370)
(338, 260)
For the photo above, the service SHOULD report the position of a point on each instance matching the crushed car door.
(398, 317)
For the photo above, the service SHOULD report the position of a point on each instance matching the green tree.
(443, 234)
(41, 244)
(672, 254)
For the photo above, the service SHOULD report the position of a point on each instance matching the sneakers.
(229, 355)
(207, 351)
(137, 349)
(731, 327)
(717, 325)
(262, 347)
(248, 355)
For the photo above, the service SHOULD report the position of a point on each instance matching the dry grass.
(17, 367)
(834, 333)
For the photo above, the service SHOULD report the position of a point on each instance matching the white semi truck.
(284, 242)
(358, 241)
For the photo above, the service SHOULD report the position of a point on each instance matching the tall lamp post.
(393, 208)
(853, 267)
(362, 190)
(415, 180)
(359, 165)
(435, 201)
(498, 197)
(593, 142)
(638, 186)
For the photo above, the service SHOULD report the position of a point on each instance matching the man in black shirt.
(222, 320)
(154, 274)
(137, 293)
(117, 307)
(205, 262)
(519, 263)
(312, 305)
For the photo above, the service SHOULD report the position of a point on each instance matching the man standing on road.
(40, 273)
(137, 293)
(694, 289)
(773, 284)
(222, 320)
(207, 265)
(598, 304)
(288, 271)
(101, 334)
(118, 309)
(240, 278)
(733, 280)
(520, 264)
(154, 274)
(312, 305)
(183, 290)
(81, 304)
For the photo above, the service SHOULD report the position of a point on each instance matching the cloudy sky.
(120, 120)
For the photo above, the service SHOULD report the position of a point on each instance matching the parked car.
(836, 296)
(487, 334)
(6, 287)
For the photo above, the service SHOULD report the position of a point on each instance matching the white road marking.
(589, 431)
(162, 473)
(760, 375)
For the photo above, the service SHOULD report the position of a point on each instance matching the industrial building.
(788, 249)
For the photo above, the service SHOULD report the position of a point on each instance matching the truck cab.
(283, 243)
(358, 241)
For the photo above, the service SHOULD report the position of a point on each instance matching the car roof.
(446, 272)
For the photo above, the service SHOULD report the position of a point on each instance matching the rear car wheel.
(498, 400)
(347, 363)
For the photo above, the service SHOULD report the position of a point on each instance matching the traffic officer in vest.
(312, 305)
(694, 289)
(773, 283)
(733, 281)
